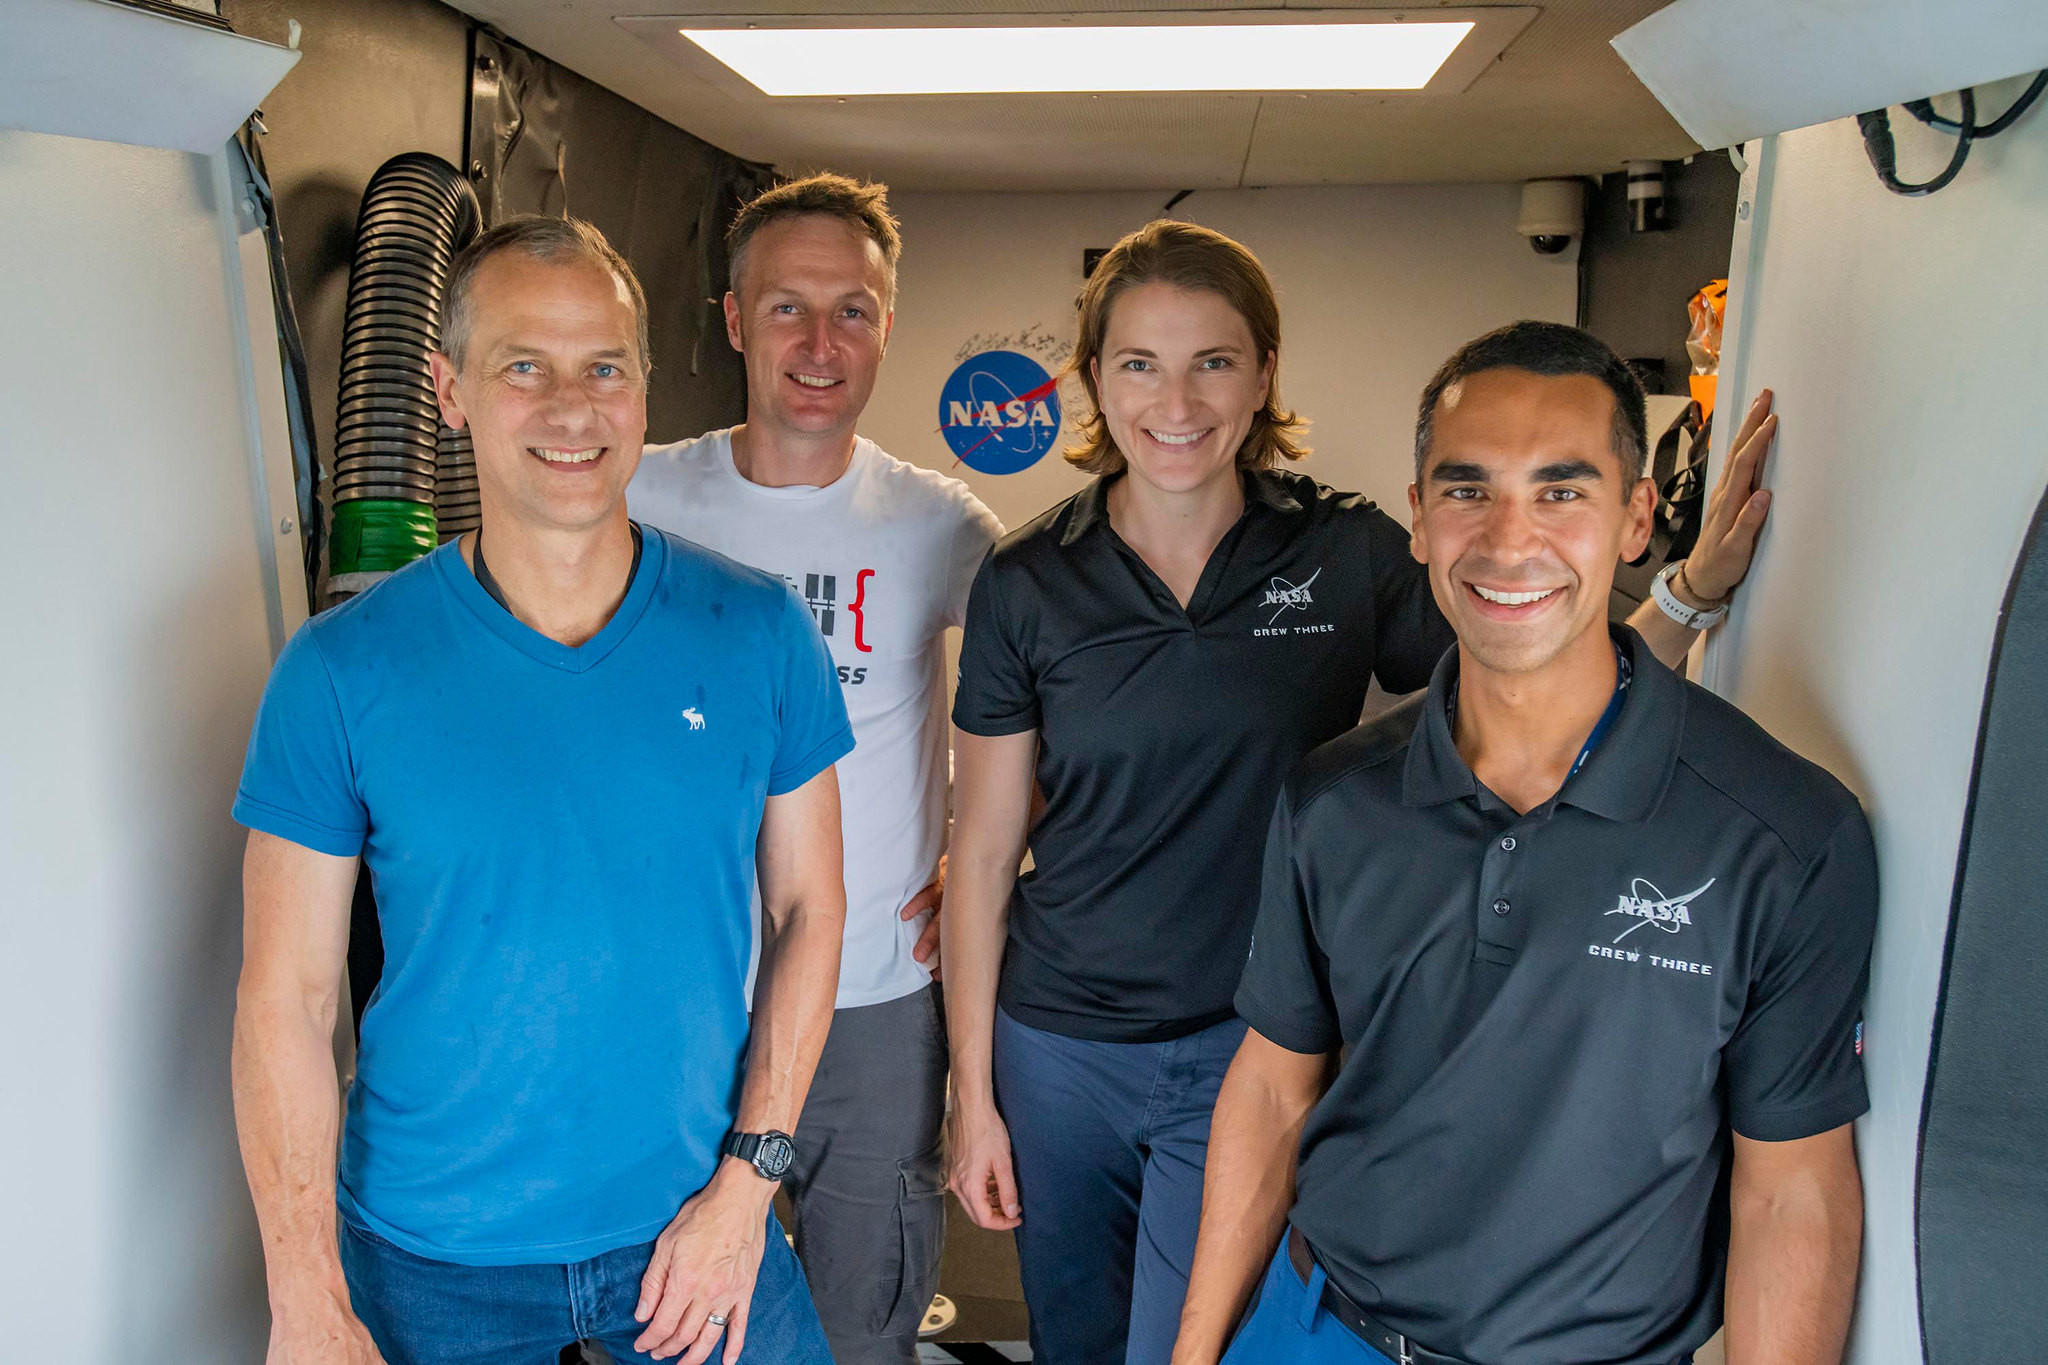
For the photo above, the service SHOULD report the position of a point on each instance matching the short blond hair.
(1194, 258)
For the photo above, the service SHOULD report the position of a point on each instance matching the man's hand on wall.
(1735, 513)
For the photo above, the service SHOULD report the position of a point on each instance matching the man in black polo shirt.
(1555, 983)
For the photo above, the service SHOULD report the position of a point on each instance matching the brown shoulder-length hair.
(1186, 257)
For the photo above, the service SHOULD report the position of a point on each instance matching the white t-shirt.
(884, 555)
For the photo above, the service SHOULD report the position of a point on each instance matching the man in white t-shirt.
(883, 551)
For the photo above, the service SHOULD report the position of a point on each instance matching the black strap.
(489, 582)
(1365, 1326)
(484, 577)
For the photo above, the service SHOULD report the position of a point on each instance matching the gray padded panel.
(1983, 1196)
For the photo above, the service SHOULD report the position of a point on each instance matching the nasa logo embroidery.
(1286, 597)
(1647, 905)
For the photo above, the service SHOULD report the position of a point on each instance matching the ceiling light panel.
(1073, 58)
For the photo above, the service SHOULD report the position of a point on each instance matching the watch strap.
(769, 1153)
(1693, 618)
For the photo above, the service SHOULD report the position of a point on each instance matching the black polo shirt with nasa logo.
(1166, 733)
(1550, 1022)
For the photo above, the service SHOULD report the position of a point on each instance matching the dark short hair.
(558, 241)
(1194, 258)
(1549, 349)
(861, 205)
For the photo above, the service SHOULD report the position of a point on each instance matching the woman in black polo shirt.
(1157, 652)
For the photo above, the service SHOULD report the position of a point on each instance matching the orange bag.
(1703, 342)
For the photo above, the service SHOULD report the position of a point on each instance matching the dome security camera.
(1553, 213)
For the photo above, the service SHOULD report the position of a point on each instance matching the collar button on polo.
(1507, 843)
(1501, 906)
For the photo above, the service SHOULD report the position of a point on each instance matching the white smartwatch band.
(1660, 591)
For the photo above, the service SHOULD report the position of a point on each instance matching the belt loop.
(1312, 1297)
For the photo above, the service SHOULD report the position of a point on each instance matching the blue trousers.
(1288, 1325)
(426, 1312)
(1108, 1141)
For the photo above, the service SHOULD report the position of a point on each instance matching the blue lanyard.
(1624, 673)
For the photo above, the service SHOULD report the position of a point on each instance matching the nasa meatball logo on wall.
(1000, 412)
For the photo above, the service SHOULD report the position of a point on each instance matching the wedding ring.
(716, 1321)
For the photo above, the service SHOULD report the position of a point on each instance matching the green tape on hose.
(375, 536)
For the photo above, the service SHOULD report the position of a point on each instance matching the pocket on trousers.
(921, 1230)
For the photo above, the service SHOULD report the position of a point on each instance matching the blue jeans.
(1289, 1326)
(1108, 1141)
(425, 1312)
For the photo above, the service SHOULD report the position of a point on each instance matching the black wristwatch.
(768, 1153)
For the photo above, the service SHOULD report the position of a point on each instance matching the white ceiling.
(1558, 101)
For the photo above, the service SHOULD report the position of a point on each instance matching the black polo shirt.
(1165, 733)
(1551, 1021)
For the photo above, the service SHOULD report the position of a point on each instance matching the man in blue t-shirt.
(565, 748)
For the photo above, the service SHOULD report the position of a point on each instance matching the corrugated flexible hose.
(392, 458)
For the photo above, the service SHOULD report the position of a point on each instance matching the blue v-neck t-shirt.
(561, 841)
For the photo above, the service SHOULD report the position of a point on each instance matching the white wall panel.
(138, 635)
(1903, 338)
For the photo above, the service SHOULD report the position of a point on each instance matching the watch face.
(773, 1159)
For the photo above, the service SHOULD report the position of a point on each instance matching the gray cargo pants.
(868, 1183)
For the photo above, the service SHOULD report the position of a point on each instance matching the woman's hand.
(983, 1178)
